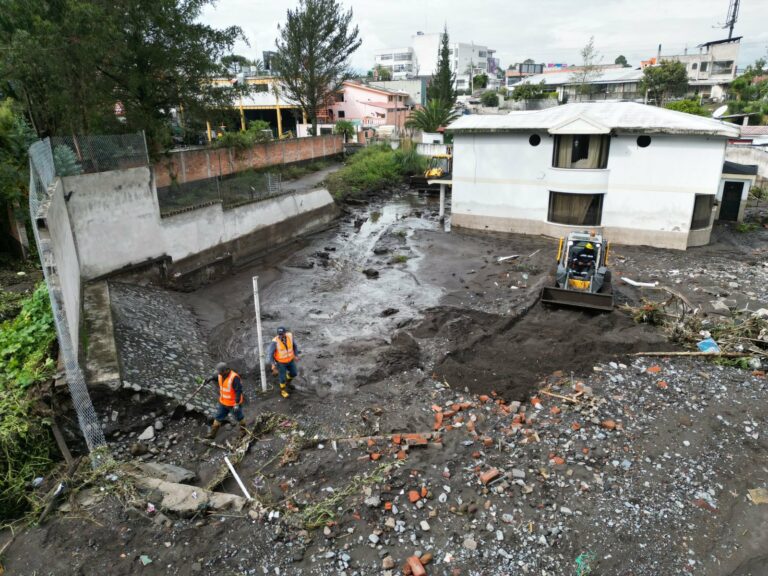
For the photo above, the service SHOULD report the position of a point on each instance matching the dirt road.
(622, 466)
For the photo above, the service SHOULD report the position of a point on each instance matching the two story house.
(637, 173)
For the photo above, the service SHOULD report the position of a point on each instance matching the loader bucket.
(575, 299)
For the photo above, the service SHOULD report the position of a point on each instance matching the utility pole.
(733, 15)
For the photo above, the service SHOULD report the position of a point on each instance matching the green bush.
(688, 106)
(25, 440)
(258, 131)
(409, 160)
(372, 169)
(490, 99)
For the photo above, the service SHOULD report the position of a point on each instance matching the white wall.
(116, 220)
(65, 260)
(750, 155)
(502, 183)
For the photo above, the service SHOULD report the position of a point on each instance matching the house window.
(534, 140)
(341, 114)
(694, 66)
(722, 67)
(702, 211)
(482, 54)
(385, 57)
(704, 66)
(575, 209)
(339, 97)
(581, 151)
(326, 131)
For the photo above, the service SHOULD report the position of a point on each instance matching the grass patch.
(375, 168)
(744, 227)
(26, 343)
(399, 259)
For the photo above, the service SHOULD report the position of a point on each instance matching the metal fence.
(88, 154)
(42, 175)
(230, 190)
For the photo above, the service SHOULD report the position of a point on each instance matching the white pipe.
(257, 306)
(239, 482)
(442, 201)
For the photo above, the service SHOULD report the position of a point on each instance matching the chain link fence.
(230, 190)
(43, 171)
(74, 155)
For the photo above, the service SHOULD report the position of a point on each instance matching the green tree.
(434, 115)
(15, 138)
(313, 53)
(688, 106)
(345, 128)
(751, 92)
(526, 91)
(235, 64)
(621, 59)
(441, 87)
(589, 69)
(381, 73)
(490, 99)
(152, 56)
(665, 80)
(480, 82)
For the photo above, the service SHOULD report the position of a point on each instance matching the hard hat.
(589, 246)
(280, 331)
(221, 368)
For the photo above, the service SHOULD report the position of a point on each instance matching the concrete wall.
(65, 264)
(116, 221)
(189, 165)
(750, 155)
(501, 182)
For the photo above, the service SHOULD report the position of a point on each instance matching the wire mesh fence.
(74, 155)
(230, 190)
(42, 175)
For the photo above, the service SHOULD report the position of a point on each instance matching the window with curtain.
(702, 211)
(585, 151)
(575, 209)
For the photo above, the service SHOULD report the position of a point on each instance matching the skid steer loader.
(582, 279)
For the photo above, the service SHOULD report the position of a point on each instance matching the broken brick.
(424, 492)
(470, 426)
(414, 496)
(575, 426)
(415, 440)
(489, 475)
(655, 369)
(396, 438)
(375, 456)
(484, 398)
(401, 455)
(415, 566)
(449, 413)
(371, 442)
(608, 424)
(476, 454)
(487, 442)
(555, 410)
(426, 558)
(438, 420)
(557, 460)
(387, 505)
(662, 384)
(437, 408)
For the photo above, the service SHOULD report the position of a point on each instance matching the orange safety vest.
(284, 352)
(226, 391)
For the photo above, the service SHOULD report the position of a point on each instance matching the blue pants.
(223, 411)
(290, 368)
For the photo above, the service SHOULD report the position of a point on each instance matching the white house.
(639, 174)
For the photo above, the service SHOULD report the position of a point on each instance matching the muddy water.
(342, 319)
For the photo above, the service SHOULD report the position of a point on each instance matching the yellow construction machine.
(440, 167)
(582, 279)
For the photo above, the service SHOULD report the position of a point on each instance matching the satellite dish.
(720, 111)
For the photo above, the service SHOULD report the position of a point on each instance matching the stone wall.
(190, 165)
(161, 345)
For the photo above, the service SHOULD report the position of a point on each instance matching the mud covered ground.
(621, 466)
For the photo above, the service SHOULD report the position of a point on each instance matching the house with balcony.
(712, 69)
(607, 83)
(638, 174)
(369, 106)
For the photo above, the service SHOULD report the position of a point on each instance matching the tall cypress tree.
(442, 85)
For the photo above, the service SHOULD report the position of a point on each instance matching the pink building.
(372, 107)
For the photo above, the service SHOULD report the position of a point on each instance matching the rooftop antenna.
(733, 16)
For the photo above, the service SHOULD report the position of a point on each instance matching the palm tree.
(428, 119)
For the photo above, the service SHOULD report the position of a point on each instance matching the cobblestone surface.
(161, 345)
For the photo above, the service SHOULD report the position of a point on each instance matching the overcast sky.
(545, 30)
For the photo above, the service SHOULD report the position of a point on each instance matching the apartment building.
(420, 59)
(712, 69)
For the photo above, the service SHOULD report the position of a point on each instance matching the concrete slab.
(102, 367)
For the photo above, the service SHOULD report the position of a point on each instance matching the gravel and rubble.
(445, 423)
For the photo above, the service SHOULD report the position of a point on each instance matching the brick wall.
(191, 165)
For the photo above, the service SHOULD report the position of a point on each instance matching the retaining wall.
(190, 165)
(60, 253)
(116, 221)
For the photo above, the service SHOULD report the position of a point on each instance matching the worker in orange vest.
(284, 353)
(231, 398)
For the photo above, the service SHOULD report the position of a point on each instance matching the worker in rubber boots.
(284, 353)
(231, 399)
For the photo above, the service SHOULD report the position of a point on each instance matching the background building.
(712, 69)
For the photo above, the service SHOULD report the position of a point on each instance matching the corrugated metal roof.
(619, 116)
(607, 76)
